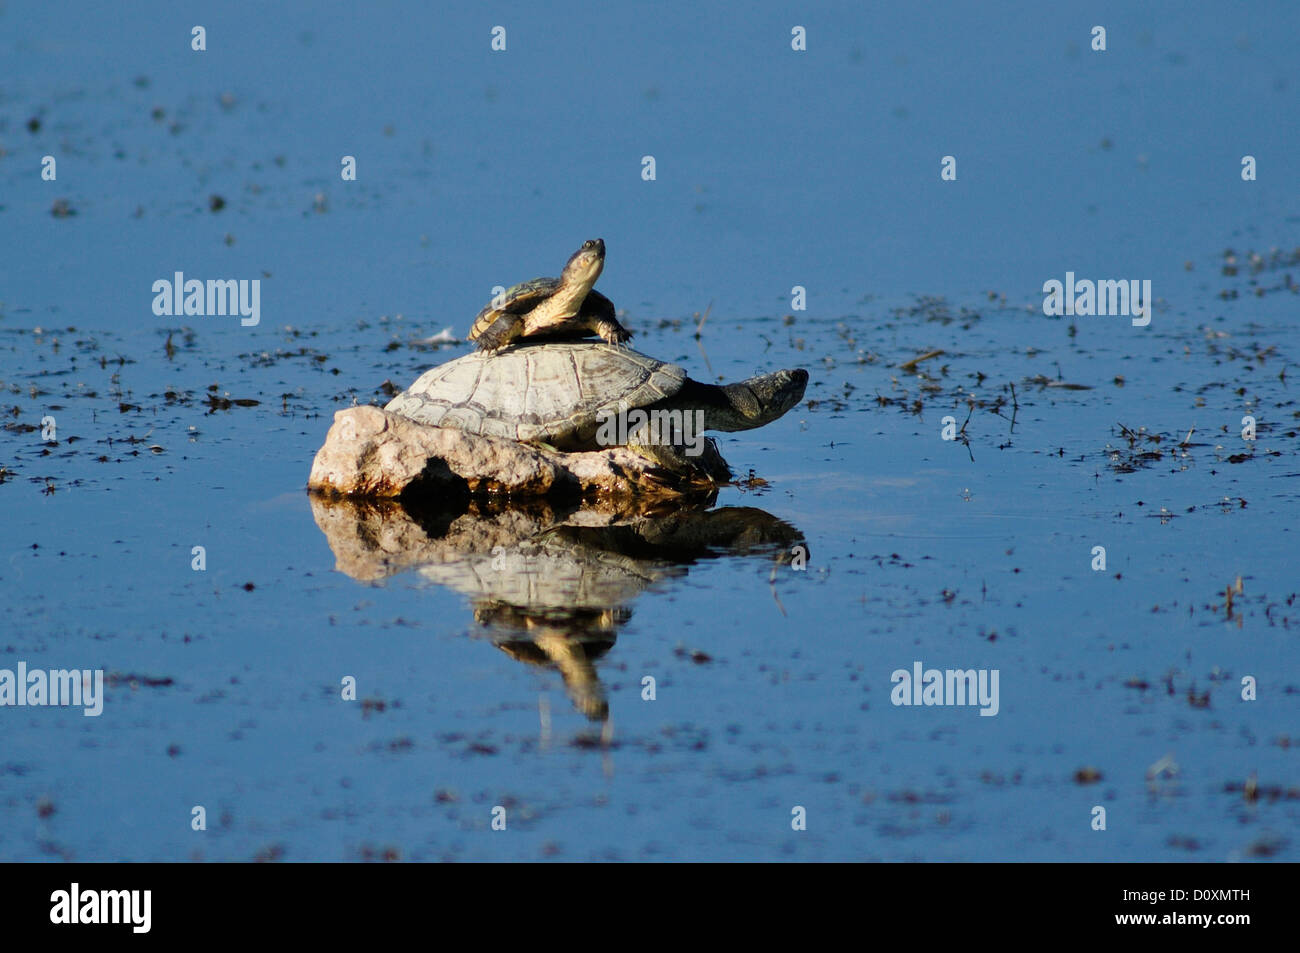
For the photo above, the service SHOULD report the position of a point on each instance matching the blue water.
(775, 168)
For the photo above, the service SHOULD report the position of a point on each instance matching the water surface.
(774, 169)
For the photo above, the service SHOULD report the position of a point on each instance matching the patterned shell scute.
(528, 294)
(537, 392)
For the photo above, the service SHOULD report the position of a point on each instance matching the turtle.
(587, 395)
(563, 307)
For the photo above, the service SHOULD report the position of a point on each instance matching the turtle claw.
(616, 335)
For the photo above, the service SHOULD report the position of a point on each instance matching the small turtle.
(584, 395)
(557, 307)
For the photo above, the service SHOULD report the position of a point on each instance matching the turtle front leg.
(679, 461)
(500, 332)
(612, 331)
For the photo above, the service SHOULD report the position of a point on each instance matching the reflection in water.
(550, 586)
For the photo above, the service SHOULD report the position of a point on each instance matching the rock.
(370, 452)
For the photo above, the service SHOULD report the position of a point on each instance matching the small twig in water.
(699, 328)
(771, 582)
(910, 366)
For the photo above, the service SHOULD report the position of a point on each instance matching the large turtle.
(556, 307)
(575, 395)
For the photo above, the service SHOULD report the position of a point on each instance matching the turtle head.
(757, 401)
(584, 267)
(778, 392)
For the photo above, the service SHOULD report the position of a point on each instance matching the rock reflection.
(550, 586)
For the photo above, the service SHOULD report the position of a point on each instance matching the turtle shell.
(553, 392)
(526, 295)
(523, 298)
(520, 299)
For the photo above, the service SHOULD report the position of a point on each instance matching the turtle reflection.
(551, 587)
